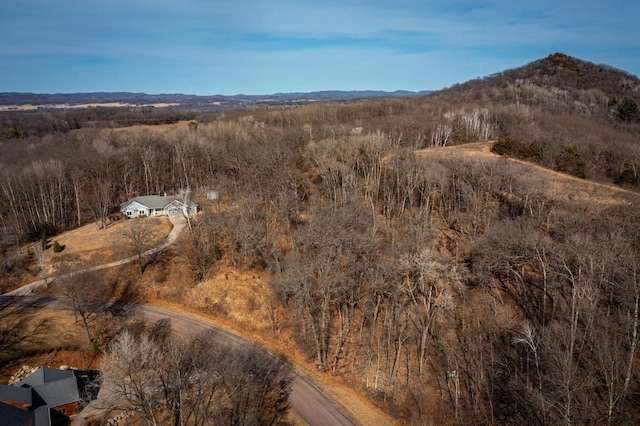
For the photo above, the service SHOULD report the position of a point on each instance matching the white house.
(156, 205)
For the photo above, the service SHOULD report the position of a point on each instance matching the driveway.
(179, 223)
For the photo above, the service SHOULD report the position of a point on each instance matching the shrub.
(628, 110)
(570, 162)
(505, 146)
(57, 248)
(626, 176)
(532, 151)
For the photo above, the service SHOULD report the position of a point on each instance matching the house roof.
(52, 387)
(59, 392)
(15, 394)
(45, 375)
(151, 201)
(14, 416)
(45, 388)
(175, 204)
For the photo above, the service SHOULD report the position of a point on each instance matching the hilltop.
(566, 73)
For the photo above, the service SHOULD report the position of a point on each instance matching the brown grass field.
(83, 247)
(58, 341)
(89, 246)
(153, 127)
(558, 185)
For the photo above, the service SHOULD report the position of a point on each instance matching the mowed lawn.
(93, 246)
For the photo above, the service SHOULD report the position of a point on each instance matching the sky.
(256, 47)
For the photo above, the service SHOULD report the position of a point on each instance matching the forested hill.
(566, 73)
(564, 113)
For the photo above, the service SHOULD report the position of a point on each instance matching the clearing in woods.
(557, 185)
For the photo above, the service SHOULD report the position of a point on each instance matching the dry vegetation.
(154, 127)
(91, 245)
(42, 349)
(386, 249)
(81, 248)
(556, 184)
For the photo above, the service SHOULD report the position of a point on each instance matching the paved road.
(306, 399)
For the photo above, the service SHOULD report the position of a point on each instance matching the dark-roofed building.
(16, 396)
(156, 205)
(47, 397)
(12, 416)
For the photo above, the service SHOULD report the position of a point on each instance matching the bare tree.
(88, 294)
(98, 199)
(138, 235)
(430, 285)
(441, 135)
(202, 250)
(41, 258)
(529, 338)
(167, 379)
(324, 277)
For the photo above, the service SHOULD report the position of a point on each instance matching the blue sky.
(208, 47)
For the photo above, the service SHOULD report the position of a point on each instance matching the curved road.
(306, 399)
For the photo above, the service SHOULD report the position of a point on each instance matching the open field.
(153, 127)
(89, 244)
(83, 247)
(558, 185)
(31, 107)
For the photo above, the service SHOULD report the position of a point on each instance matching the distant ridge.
(59, 100)
(556, 70)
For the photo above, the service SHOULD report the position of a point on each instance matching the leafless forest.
(447, 289)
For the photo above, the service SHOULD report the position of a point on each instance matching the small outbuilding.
(212, 194)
